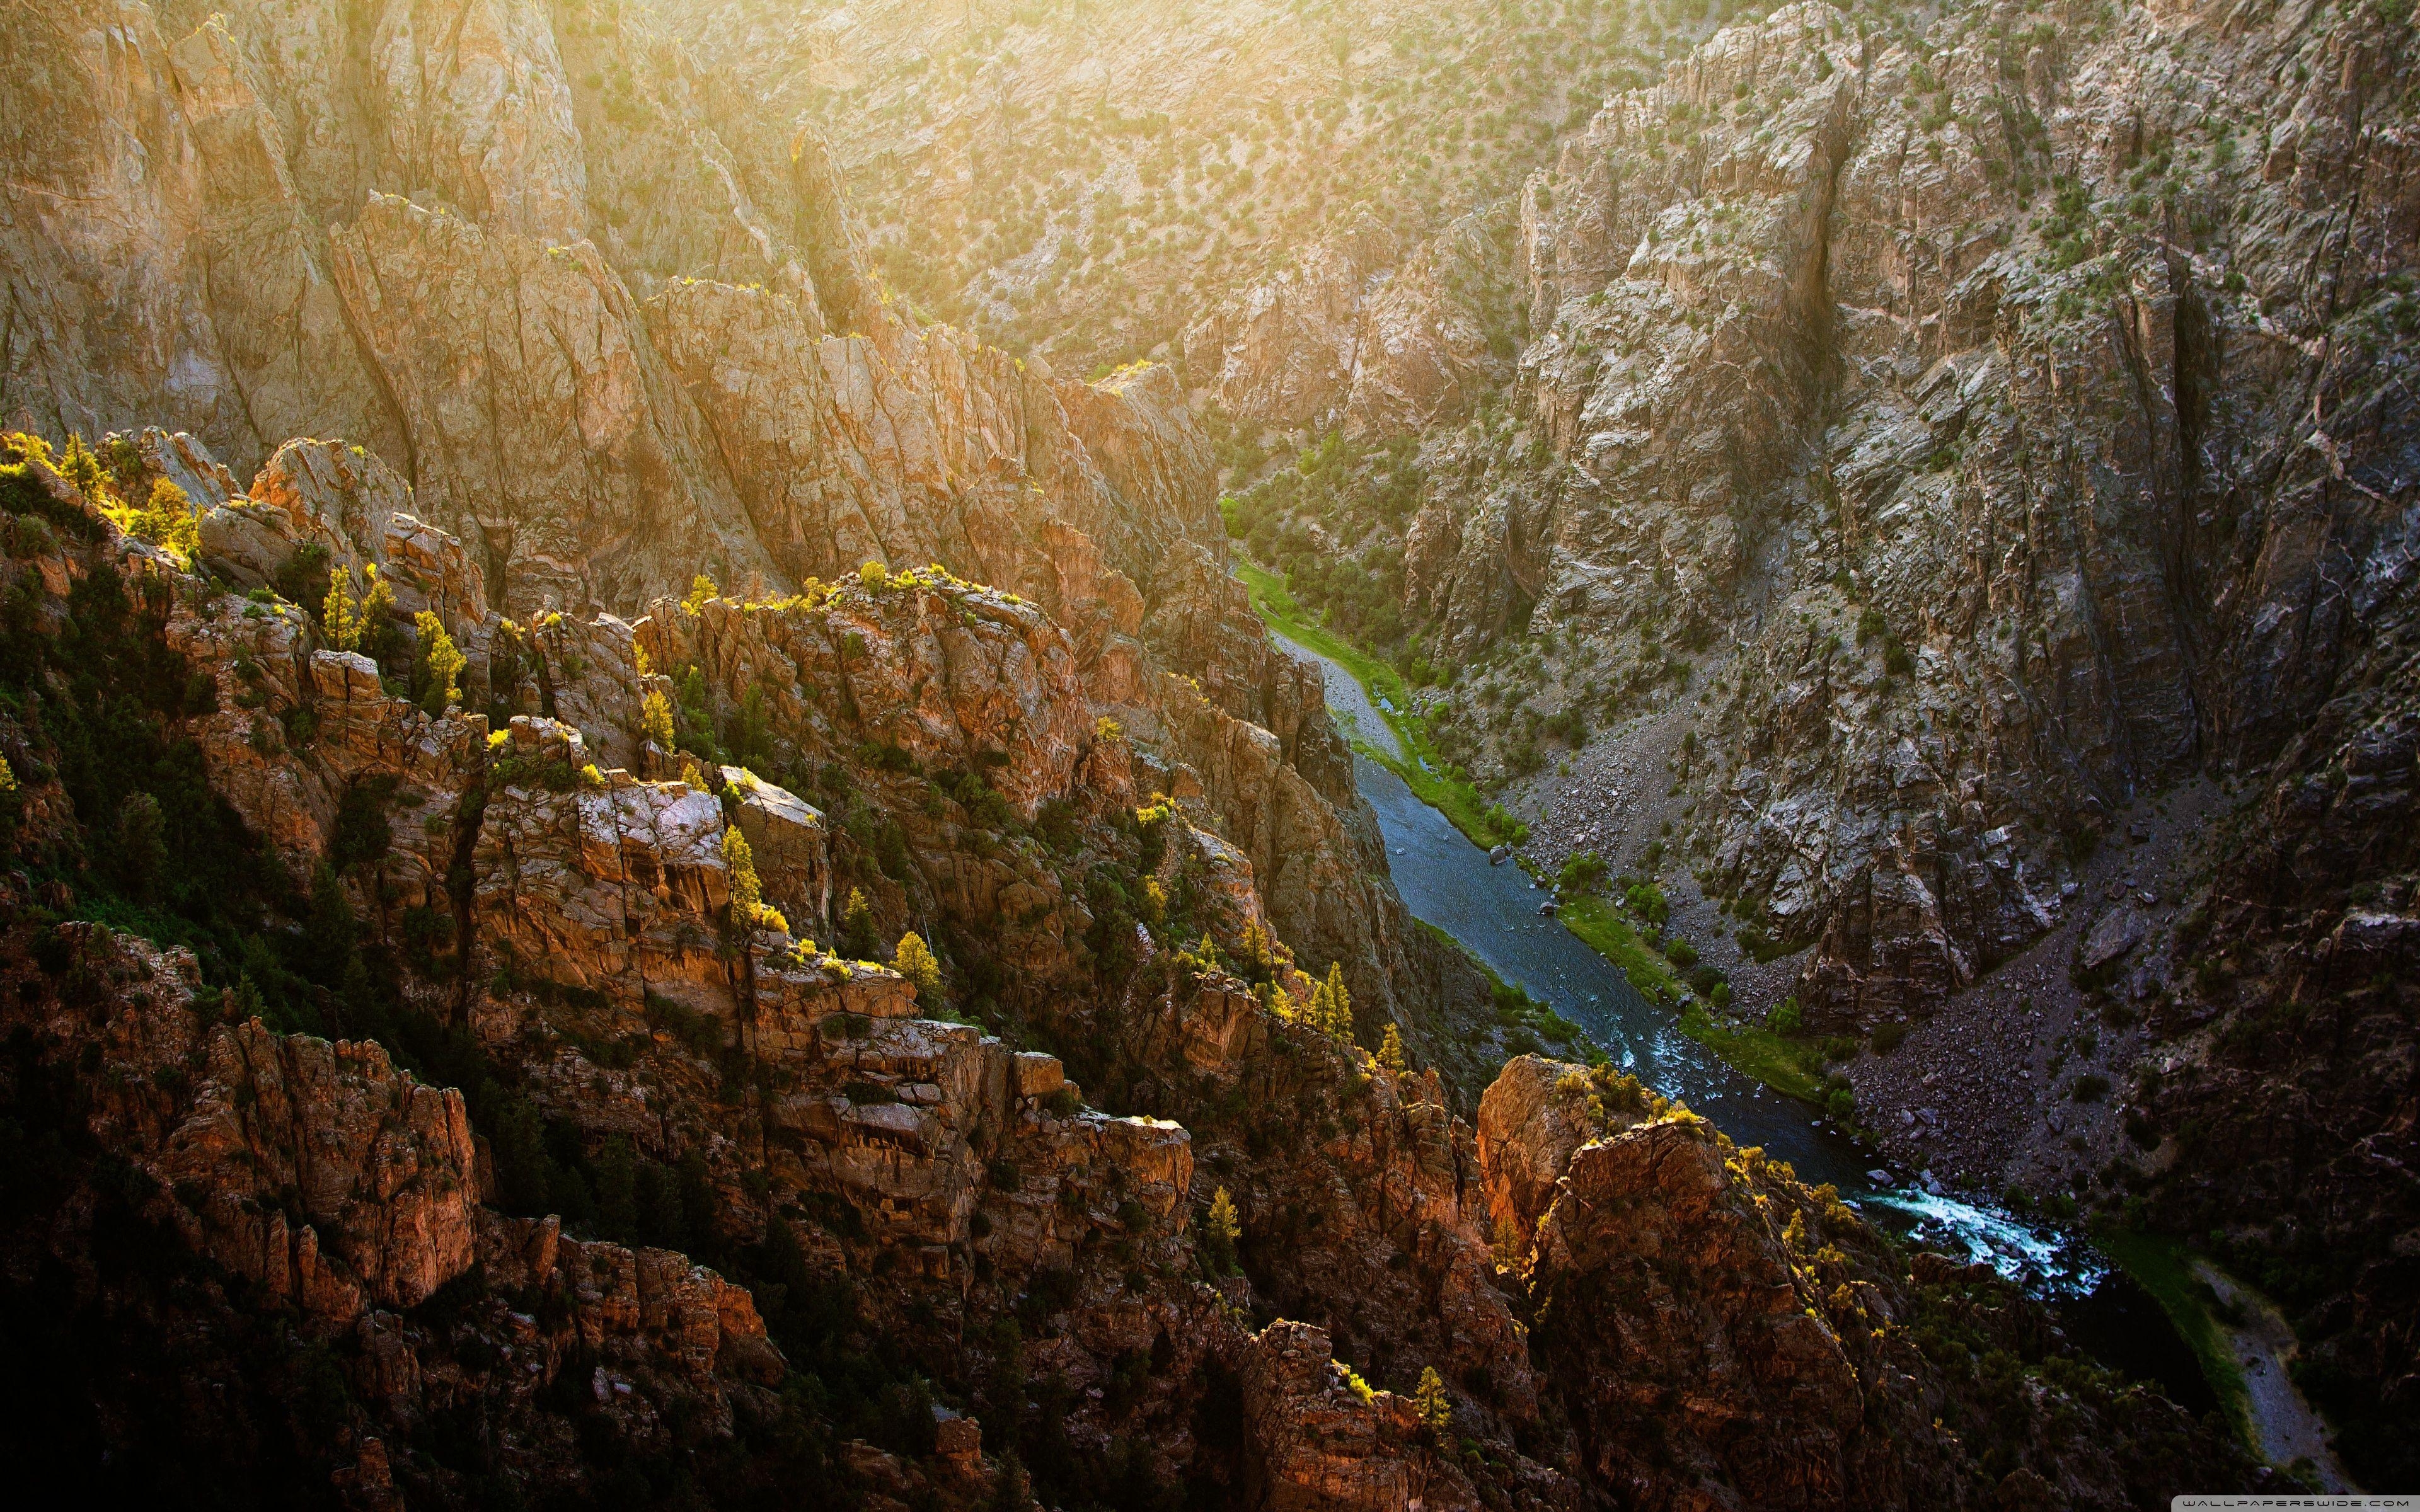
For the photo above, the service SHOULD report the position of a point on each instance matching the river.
(1492, 911)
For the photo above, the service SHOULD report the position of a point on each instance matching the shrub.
(166, 520)
(1888, 1037)
(1221, 1229)
(1583, 871)
(656, 719)
(915, 961)
(1680, 953)
(437, 667)
(1785, 1017)
(1759, 946)
(2089, 1088)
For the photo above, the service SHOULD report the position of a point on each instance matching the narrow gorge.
(670, 830)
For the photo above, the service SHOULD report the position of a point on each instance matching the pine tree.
(437, 670)
(701, 588)
(1390, 1051)
(656, 719)
(856, 938)
(1508, 1245)
(1331, 1006)
(747, 892)
(379, 639)
(1010, 1489)
(339, 615)
(81, 468)
(914, 961)
(1221, 1229)
(1434, 1407)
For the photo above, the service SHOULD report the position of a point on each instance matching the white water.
(1492, 910)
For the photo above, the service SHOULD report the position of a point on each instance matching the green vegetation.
(1435, 780)
(1763, 1052)
(2164, 1267)
(1772, 1057)
(1779, 1063)
(1220, 1230)
(1602, 929)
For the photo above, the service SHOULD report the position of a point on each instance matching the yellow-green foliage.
(81, 468)
(655, 718)
(440, 664)
(1330, 1009)
(1607, 1094)
(166, 521)
(1221, 1229)
(915, 961)
(7, 775)
(377, 610)
(747, 892)
(857, 937)
(701, 588)
(1354, 1383)
(340, 617)
(1509, 1243)
(1390, 1051)
(1434, 1407)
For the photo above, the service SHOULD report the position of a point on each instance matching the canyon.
(649, 862)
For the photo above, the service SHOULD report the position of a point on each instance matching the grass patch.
(1602, 929)
(1779, 1063)
(1429, 775)
(2164, 1267)
(1777, 1060)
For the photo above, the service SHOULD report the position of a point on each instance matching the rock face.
(455, 256)
(1359, 338)
(1995, 552)
(568, 347)
(1528, 1126)
(379, 1169)
(1750, 1343)
(644, 1060)
(1320, 1444)
(569, 325)
(1952, 392)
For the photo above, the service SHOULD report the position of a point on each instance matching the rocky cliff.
(610, 329)
(451, 1041)
(1944, 444)
(524, 1111)
(2066, 471)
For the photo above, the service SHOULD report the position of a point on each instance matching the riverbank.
(1777, 1062)
(2245, 1348)
(2164, 1267)
(1413, 758)
(1596, 962)
(1492, 912)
